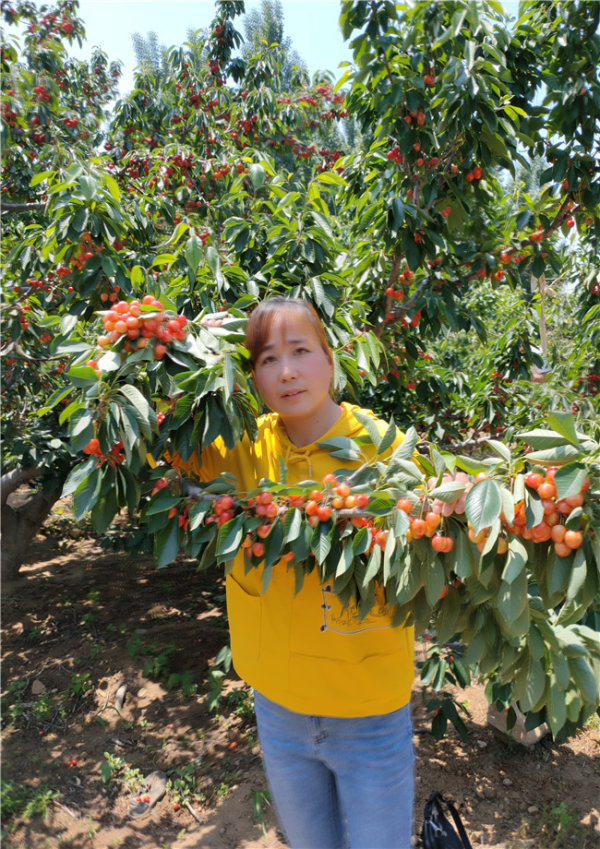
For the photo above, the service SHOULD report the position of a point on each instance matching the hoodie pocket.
(244, 612)
(322, 627)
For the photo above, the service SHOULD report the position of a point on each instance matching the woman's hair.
(262, 317)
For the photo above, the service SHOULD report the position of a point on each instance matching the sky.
(312, 26)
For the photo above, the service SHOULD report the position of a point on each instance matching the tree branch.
(22, 207)
(11, 481)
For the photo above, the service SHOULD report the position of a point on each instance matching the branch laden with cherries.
(501, 553)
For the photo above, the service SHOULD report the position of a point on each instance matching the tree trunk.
(21, 523)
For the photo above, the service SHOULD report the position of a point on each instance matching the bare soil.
(69, 620)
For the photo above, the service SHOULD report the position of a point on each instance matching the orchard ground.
(82, 621)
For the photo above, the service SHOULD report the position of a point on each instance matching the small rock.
(120, 696)
(507, 782)
(38, 688)
(532, 809)
(482, 744)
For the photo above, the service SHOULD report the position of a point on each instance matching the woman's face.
(293, 373)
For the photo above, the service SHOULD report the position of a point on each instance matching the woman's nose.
(287, 369)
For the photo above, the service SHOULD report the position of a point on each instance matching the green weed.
(115, 768)
(183, 785)
(216, 677)
(18, 800)
(559, 827)
(156, 664)
(260, 798)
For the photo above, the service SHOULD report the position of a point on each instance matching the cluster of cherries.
(142, 323)
(425, 516)
(556, 510)
(114, 457)
(87, 250)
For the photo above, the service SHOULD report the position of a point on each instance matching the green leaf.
(448, 492)
(40, 177)
(542, 438)
(292, 524)
(370, 426)
(508, 505)
(568, 480)
(139, 402)
(470, 464)
(373, 566)
(346, 559)
(193, 252)
(81, 424)
(129, 430)
(406, 449)
(563, 423)
(554, 456)
(228, 375)
(515, 561)
(213, 260)
(499, 448)
(381, 504)
(113, 187)
(230, 537)
(447, 617)
(86, 494)
(88, 187)
(274, 544)
(166, 543)
(111, 361)
(341, 447)
(361, 541)
(320, 543)
(557, 575)
(557, 709)
(585, 679)
(257, 175)
(511, 599)
(388, 437)
(82, 376)
(106, 507)
(578, 575)
(162, 502)
(56, 397)
(137, 277)
(409, 470)
(535, 685)
(483, 504)
(434, 580)
(77, 475)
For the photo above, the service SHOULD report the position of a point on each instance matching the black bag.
(437, 832)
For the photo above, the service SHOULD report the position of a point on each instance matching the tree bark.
(22, 207)
(21, 523)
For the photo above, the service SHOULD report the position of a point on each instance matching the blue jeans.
(339, 783)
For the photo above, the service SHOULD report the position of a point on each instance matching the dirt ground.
(85, 628)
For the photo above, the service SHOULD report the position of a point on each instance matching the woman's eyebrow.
(269, 346)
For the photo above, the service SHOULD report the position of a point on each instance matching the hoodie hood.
(311, 462)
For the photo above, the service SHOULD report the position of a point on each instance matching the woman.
(332, 691)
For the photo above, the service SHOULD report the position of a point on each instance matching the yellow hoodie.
(304, 651)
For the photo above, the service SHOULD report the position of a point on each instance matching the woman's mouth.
(293, 394)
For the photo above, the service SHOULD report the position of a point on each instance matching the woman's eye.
(302, 350)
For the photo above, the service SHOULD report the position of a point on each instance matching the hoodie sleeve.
(203, 466)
